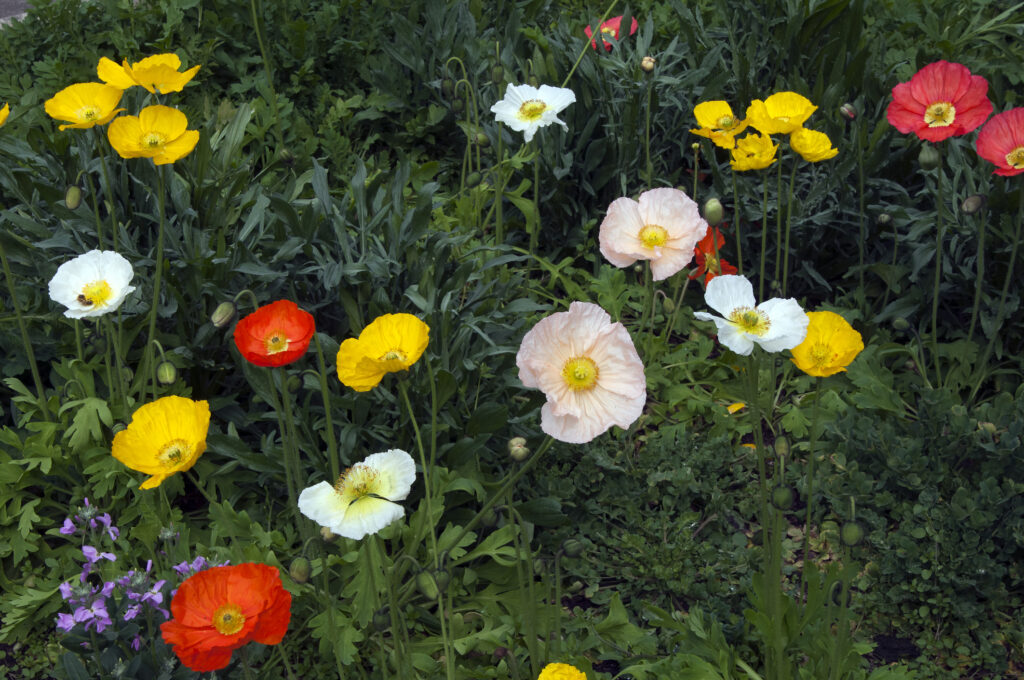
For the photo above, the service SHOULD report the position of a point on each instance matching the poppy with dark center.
(221, 609)
(275, 334)
(708, 256)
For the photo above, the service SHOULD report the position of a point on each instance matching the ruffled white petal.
(322, 504)
(396, 472)
(367, 516)
(96, 265)
(507, 110)
(788, 324)
(726, 293)
(618, 233)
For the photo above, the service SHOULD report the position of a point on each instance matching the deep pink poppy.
(610, 27)
(1002, 142)
(942, 100)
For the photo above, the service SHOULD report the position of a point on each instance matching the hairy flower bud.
(851, 533)
(447, 87)
(572, 547)
(328, 535)
(498, 75)
(782, 446)
(973, 204)
(427, 585)
(884, 220)
(782, 497)
(166, 373)
(300, 569)
(473, 179)
(647, 64)
(73, 197)
(900, 324)
(293, 383)
(929, 157)
(223, 315)
(517, 449)
(848, 111)
(714, 212)
(482, 140)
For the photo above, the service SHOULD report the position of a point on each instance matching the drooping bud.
(900, 324)
(848, 111)
(851, 533)
(517, 449)
(447, 87)
(166, 373)
(299, 570)
(381, 620)
(427, 586)
(929, 157)
(473, 179)
(647, 64)
(442, 578)
(973, 204)
(287, 157)
(498, 74)
(73, 197)
(714, 212)
(668, 305)
(572, 547)
(223, 315)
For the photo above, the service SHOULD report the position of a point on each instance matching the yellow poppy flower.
(158, 72)
(164, 437)
(753, 152)
(718, 123)
(830, 346)
(391, 343)
(812, 145)
(84, 105)
(158, 133)
(4, 112)
(781, 113)
(561, 671)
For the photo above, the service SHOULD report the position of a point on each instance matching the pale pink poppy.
(663, 227)
(589, 370)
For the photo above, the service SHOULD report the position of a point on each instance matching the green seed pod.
(73, 197)
(300, 569)
(223, 315)
(473, 179)
(498, 74)
(782, 497)
(427, 586)
(782, 446)
(714, 213)
(929, 157)
(851, 533)
(166, 373)
(572, 547)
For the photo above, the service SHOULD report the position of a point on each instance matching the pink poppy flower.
(610, 27)
(1001, 141)
(663, 227)
(942, 100)
(588, 369)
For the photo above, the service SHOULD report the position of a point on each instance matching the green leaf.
(616, 626)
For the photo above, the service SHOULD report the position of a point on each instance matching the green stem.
(147, 359)
(861, 242)
(199, 485)
(675, 308)
(499, 194)
(291, 447)
(789, 224)
(101, 152)
(266, 70)
(23, 329)
(586, 45)
(332, 443)
(810, 478)
(979, 277)
(95, 210)
(764, 237)
(778, 219)
(736, 225)
(939, 230)
(647, 141)
(527, 597)
(535, 222)
(284, 660)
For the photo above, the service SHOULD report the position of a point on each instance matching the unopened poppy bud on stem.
(648, 64)
(848, 111)
(884, 219)
(973, 204)
(929, 157)
(223, 315)
(299, 570)
(714, 212)
(900, 324)
(572, 547)
(73, 197)
(517, 449)
(166, 373)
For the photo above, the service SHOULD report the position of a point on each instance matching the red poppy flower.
(221, 609)
(942, 100)
(1002, 142)
(708, 257)
(275, 334)
(610, 27)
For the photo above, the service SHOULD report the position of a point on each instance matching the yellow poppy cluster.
(781, 113)
(158, 132)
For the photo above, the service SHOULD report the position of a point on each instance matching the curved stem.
(586, 45)
(428, 476)
(764, 237)
(736, 225)
(332, 443)
(810, 479)
(980, 275)
(939, 229)
(147, 358)
(789, 224)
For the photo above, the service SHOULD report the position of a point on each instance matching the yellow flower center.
(940, 114)
(726, 122)
(393, 354)
(750, 321)
(608, 29)
(532, 109)
(653, 235)
(88, 113)
(712, 264)
(821, 355)
(174, 453)
(153, 140)
(275, 342)
(1015, 159)
(228, 619)
(95, 294)
(580, 373)
(359, 481)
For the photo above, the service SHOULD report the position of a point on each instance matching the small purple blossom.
(65, 622)
(88, 517)
(69, 527)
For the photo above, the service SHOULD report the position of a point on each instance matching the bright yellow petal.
(174, 424)
(169, 122)
(167, 59)
(178, 148)
(113, 74)
(396, 336)
(174, 81)
(4, 112)
(709, 114)
(124, 135)
(356, 369)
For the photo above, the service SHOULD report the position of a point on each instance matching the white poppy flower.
(364, 499)
(775, 325)
(92, 284)
(526, 108)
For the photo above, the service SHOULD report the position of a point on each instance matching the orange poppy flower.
(942, 100)
(221, 609)
(708, 257)
(275, 334)
(1002, 142)
(610, 27)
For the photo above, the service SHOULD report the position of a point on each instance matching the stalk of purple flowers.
(89, 520)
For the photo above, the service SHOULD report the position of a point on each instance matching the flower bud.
(782, 446)
(473, 179)
(299, 570)
(427, 586)
(884, 220)
(381, 620)
(167, 534)
(713, 212)
(166, 373)
(286, 157)
(458, 105)
(848, 111)
(328, 535)
(851, 533)
(929, 157)
(973, 204)
(447, 87)
(572, 547)
(958, 410)
(782, 497)
(442, 578)
(223, 315)
(73, 197)
(482, 140)
(648, 63)
(517, 449)
(293, 383)
(668, 305)
(900, 324)
(532, 80)
(498, 75)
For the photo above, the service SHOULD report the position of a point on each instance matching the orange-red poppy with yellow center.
(275, 334)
